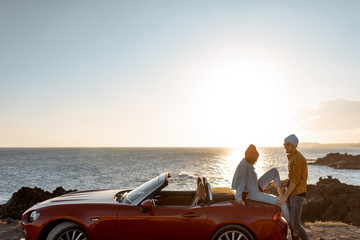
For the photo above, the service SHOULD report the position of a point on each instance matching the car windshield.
(144, 189)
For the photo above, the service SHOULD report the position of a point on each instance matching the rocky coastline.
(339, 161)
(330, 200)
(25, 198)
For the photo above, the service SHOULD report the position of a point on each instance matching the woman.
(245, 180)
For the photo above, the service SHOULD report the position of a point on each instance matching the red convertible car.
(150, 212)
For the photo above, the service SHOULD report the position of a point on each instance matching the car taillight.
(277, 216)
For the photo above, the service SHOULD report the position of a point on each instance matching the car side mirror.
(146, 205)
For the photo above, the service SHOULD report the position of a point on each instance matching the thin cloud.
(339, 114)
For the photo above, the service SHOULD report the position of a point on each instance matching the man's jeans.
(296, 205)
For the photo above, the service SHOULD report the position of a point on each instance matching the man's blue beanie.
(292, 139)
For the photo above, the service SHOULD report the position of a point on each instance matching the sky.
(178, 73)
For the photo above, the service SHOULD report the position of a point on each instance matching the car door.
(161, 222)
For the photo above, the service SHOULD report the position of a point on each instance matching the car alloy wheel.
(232, 235)
(73, 235)
(232, 232)
(67, 231)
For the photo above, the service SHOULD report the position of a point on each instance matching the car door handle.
(192, 214)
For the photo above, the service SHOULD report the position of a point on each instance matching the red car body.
(153, 214)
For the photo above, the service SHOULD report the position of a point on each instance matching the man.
(296, 190)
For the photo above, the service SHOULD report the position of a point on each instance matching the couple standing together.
(245, 180)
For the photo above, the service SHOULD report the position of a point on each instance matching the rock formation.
(330, 200)
(25, 198)
(339, 161)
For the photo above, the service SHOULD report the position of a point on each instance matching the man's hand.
(241, 202)
(281, 200)
(284, 197)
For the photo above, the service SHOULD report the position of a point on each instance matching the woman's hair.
(250, 160)
(251, 154)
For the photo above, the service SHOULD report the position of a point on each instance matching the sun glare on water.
(230, 163)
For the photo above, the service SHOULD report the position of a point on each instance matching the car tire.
(232, 232)
(67, 231)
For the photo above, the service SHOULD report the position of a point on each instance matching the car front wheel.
(232, 232)
(67, 231)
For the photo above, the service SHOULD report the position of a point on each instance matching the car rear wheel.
(232, 232)
(67, 231)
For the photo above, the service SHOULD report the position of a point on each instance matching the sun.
(237, 101)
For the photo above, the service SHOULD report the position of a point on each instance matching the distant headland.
(315, 144)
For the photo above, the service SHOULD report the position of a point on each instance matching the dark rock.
(339, 161)
(330, 200)
(25, 198)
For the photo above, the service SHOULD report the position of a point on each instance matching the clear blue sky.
(178, 73)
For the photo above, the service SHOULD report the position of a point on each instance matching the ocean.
(114, 168)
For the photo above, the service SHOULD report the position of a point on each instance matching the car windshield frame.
(137, 195)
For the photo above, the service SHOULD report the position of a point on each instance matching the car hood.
(82, 197)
